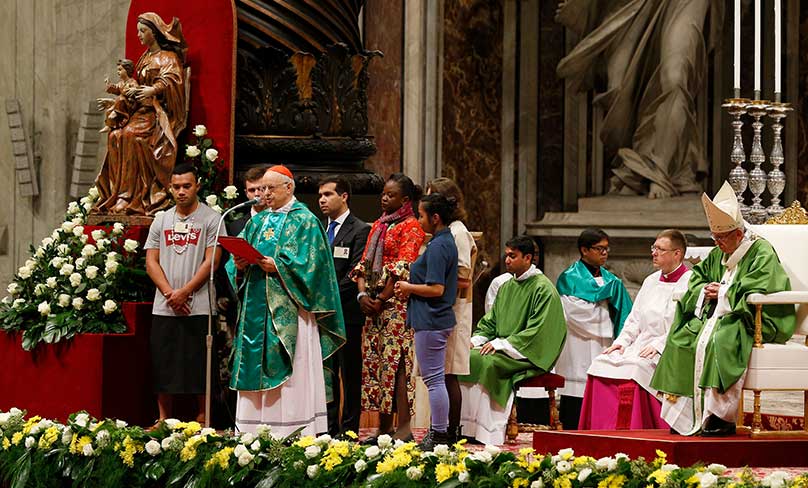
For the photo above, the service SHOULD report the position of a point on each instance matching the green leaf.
(22, 471)
(271, 478)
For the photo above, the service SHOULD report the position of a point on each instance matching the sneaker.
(433, 438)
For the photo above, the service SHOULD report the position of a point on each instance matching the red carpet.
(736, 451)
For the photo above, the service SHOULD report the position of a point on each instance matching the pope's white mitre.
(723, 212)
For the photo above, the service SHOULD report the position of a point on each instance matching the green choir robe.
(577, 281)
(264, 346)
(529, 315)
(727, 353)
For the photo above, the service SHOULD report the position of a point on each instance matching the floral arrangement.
(74, 282)
(109, 453)
(211, 170)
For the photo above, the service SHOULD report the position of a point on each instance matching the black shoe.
(455, 434)
(433, 438)
(374, 439)
(717, 427)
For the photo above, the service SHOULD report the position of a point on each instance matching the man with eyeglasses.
(704, 363)
(290, 319)
(595, 306)
(618, 393)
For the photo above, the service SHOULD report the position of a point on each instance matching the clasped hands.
(711, 290)
(179, 300)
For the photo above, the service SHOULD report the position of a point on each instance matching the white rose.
(78, 230)
(200, 130)
(30, 442)
(55, 234)
(64, 300)
(153, 447)
(109, 307)
(217, 209)
(584, 474)
(13, 288)
(483, 456)
(246, 438)
(239, 450)
(66, 270)
(621, 455)
(82, 419)
(93, 294)
(4, 416)
(19, 302)
(130, 245)
(24, 272)
(40, 252)
(51, 282)
(256, 446)
(6, 300)
(117, 228)
(211, 200)
(87, 450)
(84, 238)
(75, 280)
(717, 469)
(775, 479)
(669, 467)
(384, 441)
(67, 226)
(72, 208)
(463, 477)
(414, 473)
(110, 267)
(112, 256)
(102, 438)
(78, 303)
(80, 263)
(97, 234)
(312, 452)
(323, 439)
(372, 451)
(211, 154)
(101, 244)
(77, 220)
(539, 483)
(166, 443)
(207, 431)
(62, 248)
(360, 465)
(230, 192)
(120, 424)
(39, 289)
(312, 470)
(93, 192)
(563, 467)
(192, 151)
(88, 250)
(245, 459)
(604, 463)
(441, 450)
(67, 436)
(707, 479)
(84, 199)
(44, 308)
(492, 449)
(91, 272)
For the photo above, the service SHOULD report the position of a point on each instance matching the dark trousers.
(349, 366)
(570, 411)
(533, 410)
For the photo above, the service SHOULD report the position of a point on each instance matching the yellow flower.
(693, 480)
(305, 442)
(191, 428)
(6, 443)
(661, 459)
(583, 460)
(519, 482)
(221, 459)
(30, 424)
(443, 472)
(526, 451)
(335, 454)
(49, 437)
(16, 438)
(351, 434)
(612, 481)
(97, 426)
(658, 476)
(533, 466)
(188, 451)
(130, 448)
(564, 481)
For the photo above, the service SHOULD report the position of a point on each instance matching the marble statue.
(142, 150)
(648, 60)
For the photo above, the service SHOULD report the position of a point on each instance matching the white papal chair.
(781, 366)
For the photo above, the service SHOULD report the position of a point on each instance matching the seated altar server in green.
(290, 318)
(704, 363)
(520, 337)
(596, 304)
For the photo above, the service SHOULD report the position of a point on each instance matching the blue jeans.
(430, 348)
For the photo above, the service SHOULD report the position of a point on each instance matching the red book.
(238, 246)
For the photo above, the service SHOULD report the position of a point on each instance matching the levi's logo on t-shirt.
(182, 238)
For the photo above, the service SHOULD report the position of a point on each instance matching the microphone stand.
(211, 295)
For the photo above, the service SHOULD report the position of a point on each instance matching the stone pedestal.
(632, 224)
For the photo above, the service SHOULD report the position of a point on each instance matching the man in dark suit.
(347, 236)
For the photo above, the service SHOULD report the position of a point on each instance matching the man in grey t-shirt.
(179, 253)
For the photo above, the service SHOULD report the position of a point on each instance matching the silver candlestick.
(757, 177)
(738, 177)
(776, 178)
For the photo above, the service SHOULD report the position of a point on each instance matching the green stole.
(727, 353)
(264, 347)
(577, 281)
(530, 316)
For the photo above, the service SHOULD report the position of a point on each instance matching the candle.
(778, 26)
(757, 49)
(736, 63)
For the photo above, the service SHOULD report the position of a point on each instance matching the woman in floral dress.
(387, 353)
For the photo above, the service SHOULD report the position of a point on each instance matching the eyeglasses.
(601, 249)
(272, 188)
(659, 250)
(722, 237)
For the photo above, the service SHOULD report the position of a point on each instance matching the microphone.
(254, 201)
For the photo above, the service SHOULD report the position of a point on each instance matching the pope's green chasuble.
(726, 355)
(577, 281)
(530, 316)
(264, 346)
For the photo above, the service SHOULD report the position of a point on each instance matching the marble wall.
(472, 111)
(384, 31)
